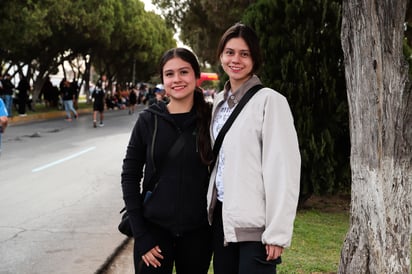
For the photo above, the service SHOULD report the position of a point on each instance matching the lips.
(235, 69)
(178, 88)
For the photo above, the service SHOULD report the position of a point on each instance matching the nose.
(235, 58)
(176, 77)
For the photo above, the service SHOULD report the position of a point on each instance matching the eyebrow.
(241, 50)
(171, 70)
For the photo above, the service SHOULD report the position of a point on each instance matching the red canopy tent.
(207, 76)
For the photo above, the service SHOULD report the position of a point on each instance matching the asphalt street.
(60, 195)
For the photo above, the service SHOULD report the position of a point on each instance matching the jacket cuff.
(144, 243)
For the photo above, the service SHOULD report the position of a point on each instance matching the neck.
(180, 106)
(236, 84)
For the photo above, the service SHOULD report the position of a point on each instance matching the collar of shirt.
(233, 99)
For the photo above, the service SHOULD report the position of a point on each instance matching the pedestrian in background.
(7, 93)
(98, 96)
(68, 96)
(132, 99)
(159, 95)
(76, 91)
(46, 92)
(3, 119)
(142, 95)
(171, 226)
(254, 185)
(24, 88)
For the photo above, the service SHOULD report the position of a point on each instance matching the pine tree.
(303, 61)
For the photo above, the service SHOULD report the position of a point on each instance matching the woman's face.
(179, 79)
(237, 61)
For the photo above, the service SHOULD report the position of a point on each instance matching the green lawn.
(316, 243)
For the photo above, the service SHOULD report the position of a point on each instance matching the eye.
(229, 52)
(184, 72)
(245, 54)
(168, 74)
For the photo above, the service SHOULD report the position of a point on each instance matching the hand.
(3, 122)
(273, 252)
(151, 257)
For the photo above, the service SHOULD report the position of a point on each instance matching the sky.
(148, 6)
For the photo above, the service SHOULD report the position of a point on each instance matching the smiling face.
(237, 62)
(179, 79)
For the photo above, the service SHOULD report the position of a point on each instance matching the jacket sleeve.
(132, 173)
(281, 171)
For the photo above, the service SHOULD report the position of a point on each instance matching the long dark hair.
(240, 30)
(203, 109)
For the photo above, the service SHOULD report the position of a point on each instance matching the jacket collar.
(233, 99)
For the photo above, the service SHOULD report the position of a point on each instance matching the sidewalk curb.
(16, 120)
(109, 261)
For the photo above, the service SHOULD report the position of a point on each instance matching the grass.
(316, 244)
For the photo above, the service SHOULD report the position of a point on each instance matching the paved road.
(60, 194)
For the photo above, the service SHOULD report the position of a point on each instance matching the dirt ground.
(332, 203)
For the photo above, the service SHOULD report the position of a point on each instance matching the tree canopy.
(202, 22)
(114, 35)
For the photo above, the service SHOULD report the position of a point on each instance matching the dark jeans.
(238, 258)
(22, 105)
(191, 253)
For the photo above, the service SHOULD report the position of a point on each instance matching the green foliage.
(139, 38)
(202, 22)
(303, 60)
(113, 34)
(21, 25)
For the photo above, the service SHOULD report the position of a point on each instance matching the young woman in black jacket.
(171, 228)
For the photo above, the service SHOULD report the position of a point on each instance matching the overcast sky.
(150, 7)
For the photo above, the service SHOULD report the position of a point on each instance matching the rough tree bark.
(380, 106)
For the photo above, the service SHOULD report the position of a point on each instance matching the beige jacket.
(261, 174)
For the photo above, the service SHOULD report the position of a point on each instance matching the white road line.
(63, 160)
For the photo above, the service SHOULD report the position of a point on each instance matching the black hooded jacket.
(178, 202)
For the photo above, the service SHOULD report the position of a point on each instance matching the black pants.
(191, 253)
(238, 258)
(22, 105)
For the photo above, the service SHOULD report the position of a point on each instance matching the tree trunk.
(380, 106)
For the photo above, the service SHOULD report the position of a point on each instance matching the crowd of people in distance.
(132, 95)
(20, 97)
(65, 96)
